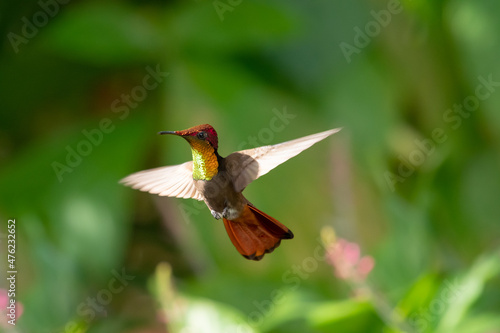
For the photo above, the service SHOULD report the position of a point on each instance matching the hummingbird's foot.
(230, 213)
(216, 215)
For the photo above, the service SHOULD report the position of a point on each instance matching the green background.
(410, 178)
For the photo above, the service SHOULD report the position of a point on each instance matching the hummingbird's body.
(220, 181)
(219, 193)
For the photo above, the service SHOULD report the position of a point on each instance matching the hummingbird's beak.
(168, 132)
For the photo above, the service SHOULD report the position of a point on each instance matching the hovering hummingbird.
(219, 182)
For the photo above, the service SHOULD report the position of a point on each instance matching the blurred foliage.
(86, 85)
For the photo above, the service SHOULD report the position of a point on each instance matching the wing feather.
(247, 165)
(172, 181)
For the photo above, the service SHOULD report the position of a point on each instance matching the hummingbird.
(219, 182)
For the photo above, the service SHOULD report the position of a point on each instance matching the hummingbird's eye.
(202, 135)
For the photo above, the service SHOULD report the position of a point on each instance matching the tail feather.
(255, 233)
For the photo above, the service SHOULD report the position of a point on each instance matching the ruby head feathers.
(203, 132)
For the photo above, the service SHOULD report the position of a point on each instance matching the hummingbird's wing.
(170, 181)
(247, 165)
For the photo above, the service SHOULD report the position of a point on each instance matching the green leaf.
(194, 314)
(420, 294)
(344, 316)
(479, 324)
(468, 290)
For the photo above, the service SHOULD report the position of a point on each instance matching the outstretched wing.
(247, 165)
(170, 181)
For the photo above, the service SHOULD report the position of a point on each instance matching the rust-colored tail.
(255, 233)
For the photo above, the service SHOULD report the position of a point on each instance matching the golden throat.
(205, 164)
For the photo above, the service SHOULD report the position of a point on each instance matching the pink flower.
(4, 311)
(345, 257)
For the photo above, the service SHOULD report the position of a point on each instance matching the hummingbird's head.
(198, 135)
(204, 143)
